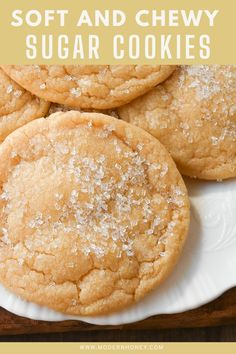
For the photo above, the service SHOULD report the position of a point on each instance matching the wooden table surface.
(217, 316)
(210, 334)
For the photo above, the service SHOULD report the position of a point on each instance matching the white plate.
(206, 269)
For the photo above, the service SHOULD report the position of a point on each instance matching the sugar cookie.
(193, 114)
(94, 213)
(17, 106)
(89, 86)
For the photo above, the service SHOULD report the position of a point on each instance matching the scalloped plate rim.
(113, 323)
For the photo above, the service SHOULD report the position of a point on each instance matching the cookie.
(94, 213)
(89, 86)
(17, 106)
(193, 114)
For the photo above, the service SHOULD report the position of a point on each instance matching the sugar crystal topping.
(202, 102)
(16, 93)
(203, 80)
(105, 202)
(9, 88)
(214, 88)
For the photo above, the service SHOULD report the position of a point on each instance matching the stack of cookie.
(94, 211)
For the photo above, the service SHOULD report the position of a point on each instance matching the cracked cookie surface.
(193, 113)
(17, 106)
(94, 213)
(89, 86)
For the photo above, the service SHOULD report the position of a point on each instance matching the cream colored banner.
(122, 348)
(117, 32)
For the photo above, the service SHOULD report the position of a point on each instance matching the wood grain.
(222, 311)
